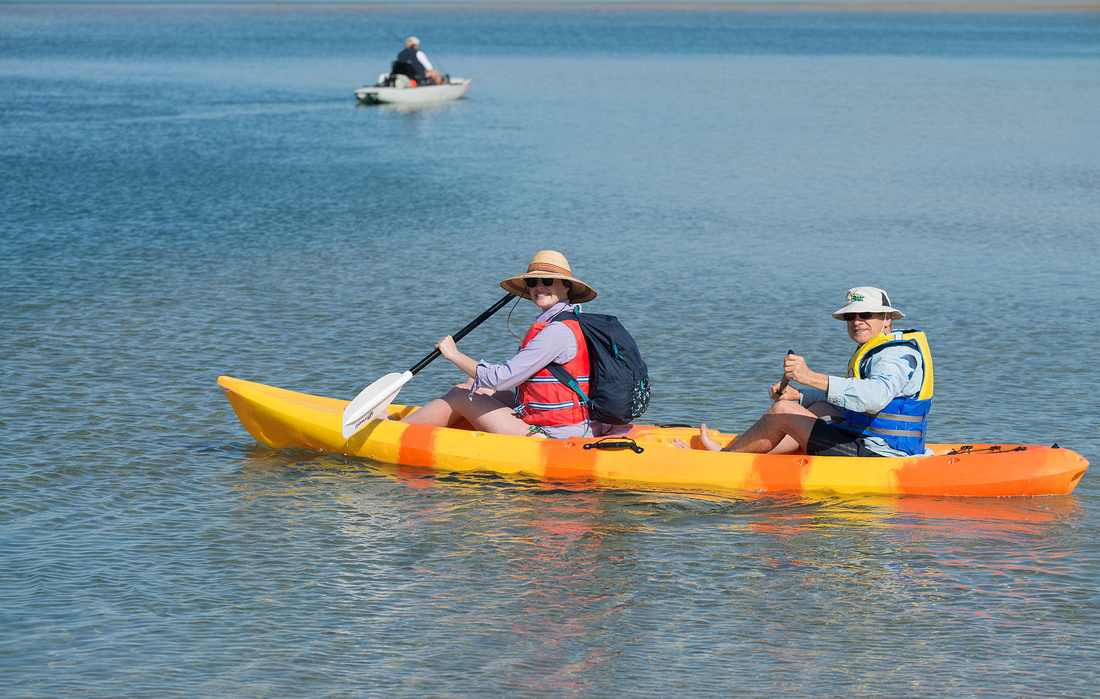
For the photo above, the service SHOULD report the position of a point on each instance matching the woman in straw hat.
(879, 409)
(540, 405)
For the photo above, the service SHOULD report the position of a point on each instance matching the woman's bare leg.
(488, 414)
(483, 409)
(439, 411)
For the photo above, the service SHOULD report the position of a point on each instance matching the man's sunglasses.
(852, 316)
(532, 282)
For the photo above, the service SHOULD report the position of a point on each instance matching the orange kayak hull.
(280, 418)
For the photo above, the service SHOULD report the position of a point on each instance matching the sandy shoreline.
(974, 6)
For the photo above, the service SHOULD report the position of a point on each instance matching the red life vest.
(542, 399)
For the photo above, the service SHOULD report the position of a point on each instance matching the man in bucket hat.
(879, 409)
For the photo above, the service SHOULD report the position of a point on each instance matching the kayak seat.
(402, 74)
(404, 68)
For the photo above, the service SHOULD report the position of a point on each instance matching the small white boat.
(453, 89)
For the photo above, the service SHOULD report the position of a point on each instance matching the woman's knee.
(456, 395)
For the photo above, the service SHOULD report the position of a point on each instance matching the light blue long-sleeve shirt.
(893, 371)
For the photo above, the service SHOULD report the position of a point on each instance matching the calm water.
(191, 191)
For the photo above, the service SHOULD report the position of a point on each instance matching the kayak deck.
(280, 418)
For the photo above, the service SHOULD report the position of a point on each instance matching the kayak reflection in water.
(540, 405)
(879, 409)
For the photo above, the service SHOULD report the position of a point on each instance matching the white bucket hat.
(867, 299)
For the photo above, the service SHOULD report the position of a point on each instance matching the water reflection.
(539, 570)
(542, 582)
(414, 109)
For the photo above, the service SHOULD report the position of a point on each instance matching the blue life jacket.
(903, 422)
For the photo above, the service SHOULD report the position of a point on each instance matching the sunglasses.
(862, 316)
(532, 282)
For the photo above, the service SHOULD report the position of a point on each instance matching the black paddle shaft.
(464, 331)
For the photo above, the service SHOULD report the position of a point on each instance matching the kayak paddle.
(373, 399)
(785, 381)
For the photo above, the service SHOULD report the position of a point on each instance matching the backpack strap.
(561, 373)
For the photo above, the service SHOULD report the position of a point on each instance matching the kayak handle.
(616, 444)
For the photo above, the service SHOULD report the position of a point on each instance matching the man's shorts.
(826, 440)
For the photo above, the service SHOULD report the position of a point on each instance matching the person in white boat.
(426, 74)
(879, 409)
(540, 405)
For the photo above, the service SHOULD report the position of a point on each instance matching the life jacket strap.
(900, 418)
(882, 432)
(842, 424)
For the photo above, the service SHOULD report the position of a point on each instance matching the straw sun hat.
(867, 299)
(548, 264)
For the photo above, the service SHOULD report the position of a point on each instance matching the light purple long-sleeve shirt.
(554, 343)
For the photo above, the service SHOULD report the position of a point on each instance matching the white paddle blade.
(372, 401)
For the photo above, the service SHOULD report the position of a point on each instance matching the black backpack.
(619, 380)
(406, 68)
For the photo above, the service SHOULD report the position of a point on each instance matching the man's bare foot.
(704, 438)
(708, 441)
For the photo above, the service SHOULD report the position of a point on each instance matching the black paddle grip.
(785, 381)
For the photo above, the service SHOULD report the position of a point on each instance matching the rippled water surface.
(190, 190)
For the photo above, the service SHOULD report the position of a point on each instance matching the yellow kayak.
(645, 454)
